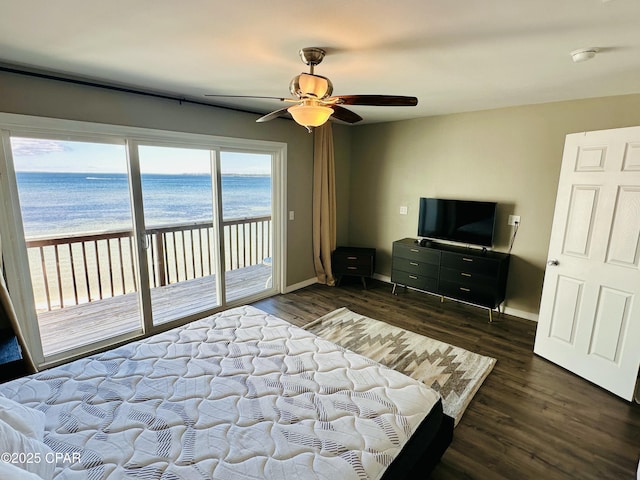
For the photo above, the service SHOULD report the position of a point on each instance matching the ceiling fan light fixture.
(315, 103)
(307, 85)
(310, 115)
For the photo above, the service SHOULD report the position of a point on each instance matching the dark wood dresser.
(469, 275)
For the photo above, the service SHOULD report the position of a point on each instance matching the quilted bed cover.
(238, 395)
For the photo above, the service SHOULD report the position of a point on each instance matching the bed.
(238, 395)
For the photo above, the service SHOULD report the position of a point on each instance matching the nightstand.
(356, 261)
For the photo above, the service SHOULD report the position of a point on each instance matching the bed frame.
(425, 449)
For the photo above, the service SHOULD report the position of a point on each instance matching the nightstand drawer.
(357, 261)
(353, 269)
(353, 260)
(341, 260)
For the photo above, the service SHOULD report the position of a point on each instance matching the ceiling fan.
(315, 104)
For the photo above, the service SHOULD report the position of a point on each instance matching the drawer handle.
(467, 259)
(352, 268)
(413, 277)
(415, 250)
(413, 263)
(352, 258)
(465, 289)
(465, 274)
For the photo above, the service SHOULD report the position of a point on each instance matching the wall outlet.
(404, 210)
(514, 220)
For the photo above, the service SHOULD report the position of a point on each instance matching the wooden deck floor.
(79, 325)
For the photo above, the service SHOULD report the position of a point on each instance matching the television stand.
(478, 277)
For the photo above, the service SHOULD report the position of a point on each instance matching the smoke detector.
(583, 54)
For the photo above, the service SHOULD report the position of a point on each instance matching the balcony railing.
(83, 268)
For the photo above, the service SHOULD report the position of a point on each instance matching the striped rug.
(454, 372)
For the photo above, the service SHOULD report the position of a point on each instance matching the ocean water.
(61, 202)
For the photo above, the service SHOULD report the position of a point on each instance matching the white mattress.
(238, 395)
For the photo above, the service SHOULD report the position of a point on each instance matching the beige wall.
(511, 156)
(47, 98)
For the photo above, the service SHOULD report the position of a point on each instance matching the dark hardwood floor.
(530, 419)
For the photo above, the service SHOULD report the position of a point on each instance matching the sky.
(44, 155)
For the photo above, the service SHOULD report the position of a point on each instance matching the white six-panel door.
(590, 313)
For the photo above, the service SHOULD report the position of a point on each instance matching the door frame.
(12, 231)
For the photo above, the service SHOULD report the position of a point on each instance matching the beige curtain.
(7, 312)
(324, 203)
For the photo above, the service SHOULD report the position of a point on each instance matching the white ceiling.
(454, 55)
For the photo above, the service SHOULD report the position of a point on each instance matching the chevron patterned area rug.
(454, 372)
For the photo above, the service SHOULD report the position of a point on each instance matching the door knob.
(553, 262)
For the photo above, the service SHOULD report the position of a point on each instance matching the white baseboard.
(508, 310)
(298, 286)
(382, 278)
(521, 314)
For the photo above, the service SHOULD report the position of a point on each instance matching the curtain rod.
(87, 83)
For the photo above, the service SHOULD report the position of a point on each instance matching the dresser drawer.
(421, 282)
(416, 253)
(467, 279)
(415, 267)
(471, 264)
(471, 294)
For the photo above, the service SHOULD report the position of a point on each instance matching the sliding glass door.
(247, 215)
(78, 229)
(177, 194)
(124, 235)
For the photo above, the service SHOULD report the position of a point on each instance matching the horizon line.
(244, 174)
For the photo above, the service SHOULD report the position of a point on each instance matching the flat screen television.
(463, 221)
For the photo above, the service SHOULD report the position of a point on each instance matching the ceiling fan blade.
(282, 99)
(270, 116)
(377, 100)
(341, 113)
